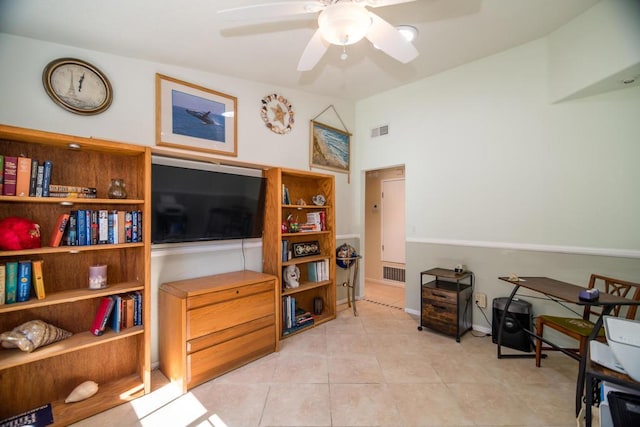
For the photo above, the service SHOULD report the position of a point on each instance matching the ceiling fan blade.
(390, 41)
(315, 49)
(271, 10)
(381, 3)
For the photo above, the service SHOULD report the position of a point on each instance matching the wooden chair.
(580, 329)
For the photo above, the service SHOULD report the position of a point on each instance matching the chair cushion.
(579, 326)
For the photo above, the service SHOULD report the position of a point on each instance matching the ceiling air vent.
(380, 131)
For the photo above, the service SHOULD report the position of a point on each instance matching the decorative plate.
(277, 113)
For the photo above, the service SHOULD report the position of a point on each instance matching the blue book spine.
(89, 225)
(11, 282)
(81, 224)
(46, 178)
(24, 281)
(116, 314)
(113, 216)
(134, 226)
(140, 226)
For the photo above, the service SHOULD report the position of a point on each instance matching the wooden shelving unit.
(119, 362)
(300, 185)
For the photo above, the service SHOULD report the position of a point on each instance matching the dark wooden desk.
(567, 292)
(596, 373)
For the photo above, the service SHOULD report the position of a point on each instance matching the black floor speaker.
(519, 316)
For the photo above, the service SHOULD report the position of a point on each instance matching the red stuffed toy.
(19, 233)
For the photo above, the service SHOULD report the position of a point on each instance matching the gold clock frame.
(61, 62)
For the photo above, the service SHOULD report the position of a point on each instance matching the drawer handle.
(237, 291)
(435, 294)
(440, 307)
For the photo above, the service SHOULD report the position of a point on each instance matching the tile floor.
(376, 369)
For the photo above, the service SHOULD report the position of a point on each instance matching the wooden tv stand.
(214, 324)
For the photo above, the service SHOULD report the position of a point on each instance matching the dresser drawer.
(216, 338)
(228, 294)
(218, 359)
(440, 317)
(216, 317)
(439, 295)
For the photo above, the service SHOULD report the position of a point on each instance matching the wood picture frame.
(195, 118)
(330, 148)
(303, 249)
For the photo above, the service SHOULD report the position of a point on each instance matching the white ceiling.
(191, 33)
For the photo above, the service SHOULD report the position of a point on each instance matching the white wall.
(596, 50)
(502, 180)
(131, 118)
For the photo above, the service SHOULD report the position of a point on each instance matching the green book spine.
(11, 283)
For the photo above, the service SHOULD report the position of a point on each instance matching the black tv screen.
(196, 201)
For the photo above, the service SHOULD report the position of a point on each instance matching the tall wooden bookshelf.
(301, 186)
(118, 362)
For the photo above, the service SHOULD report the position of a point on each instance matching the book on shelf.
(24, 281)
(38, 278)
(102, 315)
(58, 230)
(34, 178)
(129, 308)
(23, 176)
(92, 217)
(39, 179)
(3, 278)
(285, 250)
(57, 188)
(137, 321)
(121, 224)
(46, 177)
(72, 195)
(11, 282)
(1, 174)
(294, 318)
(103, 226)
(37, 417)
(70, 237)
(116, 313)
(9, 175)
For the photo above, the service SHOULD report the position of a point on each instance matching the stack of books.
(294, 318)
(315, 222)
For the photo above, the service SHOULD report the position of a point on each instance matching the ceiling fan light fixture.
(344, 23)
(408, 31)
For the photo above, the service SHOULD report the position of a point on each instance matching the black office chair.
(625, 409)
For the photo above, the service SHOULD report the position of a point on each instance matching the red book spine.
(10, 174)
(102, 315)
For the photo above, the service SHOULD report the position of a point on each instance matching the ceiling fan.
(340, 22)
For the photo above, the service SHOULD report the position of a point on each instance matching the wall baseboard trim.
(573, 250)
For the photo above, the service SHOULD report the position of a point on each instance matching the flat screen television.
(195, 201)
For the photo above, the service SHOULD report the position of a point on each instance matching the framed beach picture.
(195, 118)
(330, 148)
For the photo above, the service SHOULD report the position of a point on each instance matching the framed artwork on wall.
(195, 118)
(302, 249)
(329, 148)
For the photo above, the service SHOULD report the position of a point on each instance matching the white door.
(393, 221)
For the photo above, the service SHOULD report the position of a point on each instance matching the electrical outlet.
(481, 300)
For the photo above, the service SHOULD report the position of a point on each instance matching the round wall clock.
(77, 86)
(277, 113)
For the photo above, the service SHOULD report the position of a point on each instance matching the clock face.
(77, 86)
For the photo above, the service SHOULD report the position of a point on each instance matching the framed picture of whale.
(195, 118)
(329, 148)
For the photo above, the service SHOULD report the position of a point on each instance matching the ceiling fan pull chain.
(344, 55)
